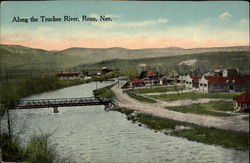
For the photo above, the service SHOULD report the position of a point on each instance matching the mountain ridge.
(170, 48)
(21, 57)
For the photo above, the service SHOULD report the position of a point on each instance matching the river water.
(89, 134)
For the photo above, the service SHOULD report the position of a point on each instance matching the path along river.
(89, 134)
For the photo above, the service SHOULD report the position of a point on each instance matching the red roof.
(137, 80)
(196, 78)
(216, 79)
(68, 75)
(151, 74)
(225, 80)
(245, 97)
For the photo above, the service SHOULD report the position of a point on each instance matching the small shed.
(242, 102)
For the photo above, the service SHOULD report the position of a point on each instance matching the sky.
(134, 25)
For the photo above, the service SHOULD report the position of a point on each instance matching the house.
(68, 76)
(242, 102)
(211, 84)
(226, 72)
(188, 82)
(192, 82)
(181, 78)
(152, 78)
(231, 73)
(105, 70)
(152, 75)
(137, 83)
(166, 81)
(216, 84)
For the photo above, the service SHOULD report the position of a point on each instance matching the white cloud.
(225, 16)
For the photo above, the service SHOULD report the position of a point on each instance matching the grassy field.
(104, 92)
(140, 98)
(206, 108)
(158, 89)
(194, 95)
(225, 138)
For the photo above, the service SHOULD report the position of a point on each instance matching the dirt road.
(235, 123)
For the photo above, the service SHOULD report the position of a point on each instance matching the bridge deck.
(60, 102)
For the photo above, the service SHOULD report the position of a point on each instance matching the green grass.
(38, 150)
(11, 150)
(125, 111)
(194, 95)
(140, 98)
(206, 108)
(104, 92)
(126, 85)
(155, 90)
(225, 138)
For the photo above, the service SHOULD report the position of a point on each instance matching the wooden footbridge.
(63, 102)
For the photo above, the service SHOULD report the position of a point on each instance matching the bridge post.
(55, 110)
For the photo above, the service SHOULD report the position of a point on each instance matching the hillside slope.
(203, 62)
(15, 57)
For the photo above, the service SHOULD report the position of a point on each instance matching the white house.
(188, 82)
(192, 83)
(203, 84)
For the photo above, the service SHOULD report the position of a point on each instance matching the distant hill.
(23, 58)
(89, 55)
(202, 62)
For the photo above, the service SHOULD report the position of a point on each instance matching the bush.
(104, 92)
(11, 150)
(39, 150)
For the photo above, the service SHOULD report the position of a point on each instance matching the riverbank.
(212, 136)
(230, 132)
(37, 150)
(13, 92)
(12, 150)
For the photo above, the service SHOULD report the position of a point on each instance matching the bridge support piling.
(55, 110)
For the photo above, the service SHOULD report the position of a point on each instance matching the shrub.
(39, 150)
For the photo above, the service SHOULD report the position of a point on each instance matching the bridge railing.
(61, 101)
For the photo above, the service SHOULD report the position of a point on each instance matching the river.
(89, 134)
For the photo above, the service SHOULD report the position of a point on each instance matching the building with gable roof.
(242, 102)
(216, 84)
(137, 83)
(192, 82)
